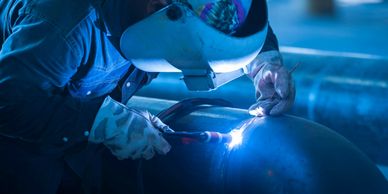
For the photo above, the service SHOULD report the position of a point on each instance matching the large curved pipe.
(347, 93)
(278, 155)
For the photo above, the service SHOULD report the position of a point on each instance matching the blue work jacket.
(57, 63)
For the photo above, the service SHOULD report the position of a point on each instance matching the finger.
(280, 108)
(125, 147)
(152, 140)
(130, 150)
(140, 149)
(282, 82)
(158, 124)
(161, 146)
(263, 107)
(116, 144)
(268, 104)
(284, 104)
(113, 147)
(264, 85)
(138, 153)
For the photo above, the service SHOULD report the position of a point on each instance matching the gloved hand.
(128, 132)
(275, 90)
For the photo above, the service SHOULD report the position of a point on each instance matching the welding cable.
(188, 106)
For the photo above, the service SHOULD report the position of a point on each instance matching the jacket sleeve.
(271, 42)
(269, 53)
(36, 64)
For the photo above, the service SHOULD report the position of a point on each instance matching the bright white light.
(237, 138)
(257, 112)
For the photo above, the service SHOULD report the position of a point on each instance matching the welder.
(67, 68)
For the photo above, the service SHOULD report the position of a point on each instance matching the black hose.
(188, 106)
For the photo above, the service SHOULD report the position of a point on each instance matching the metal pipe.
(283, 154)
(346, 92)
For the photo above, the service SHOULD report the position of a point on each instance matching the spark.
(257, 112)
(237, 134)
(237, 138)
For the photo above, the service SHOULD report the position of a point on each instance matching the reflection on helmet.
(224, 15)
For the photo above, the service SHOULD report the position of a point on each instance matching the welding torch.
(200, 137)
(232, 138)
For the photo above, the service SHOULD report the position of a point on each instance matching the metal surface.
(278, 155)
(346, 93)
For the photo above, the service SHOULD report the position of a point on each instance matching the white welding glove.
(275, 90)
(127, 132)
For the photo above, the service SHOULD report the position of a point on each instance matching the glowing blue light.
(237, 138)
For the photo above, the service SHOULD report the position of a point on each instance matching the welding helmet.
(209, 41)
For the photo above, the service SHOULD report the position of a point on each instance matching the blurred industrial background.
(341, 47)
(356, 26)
